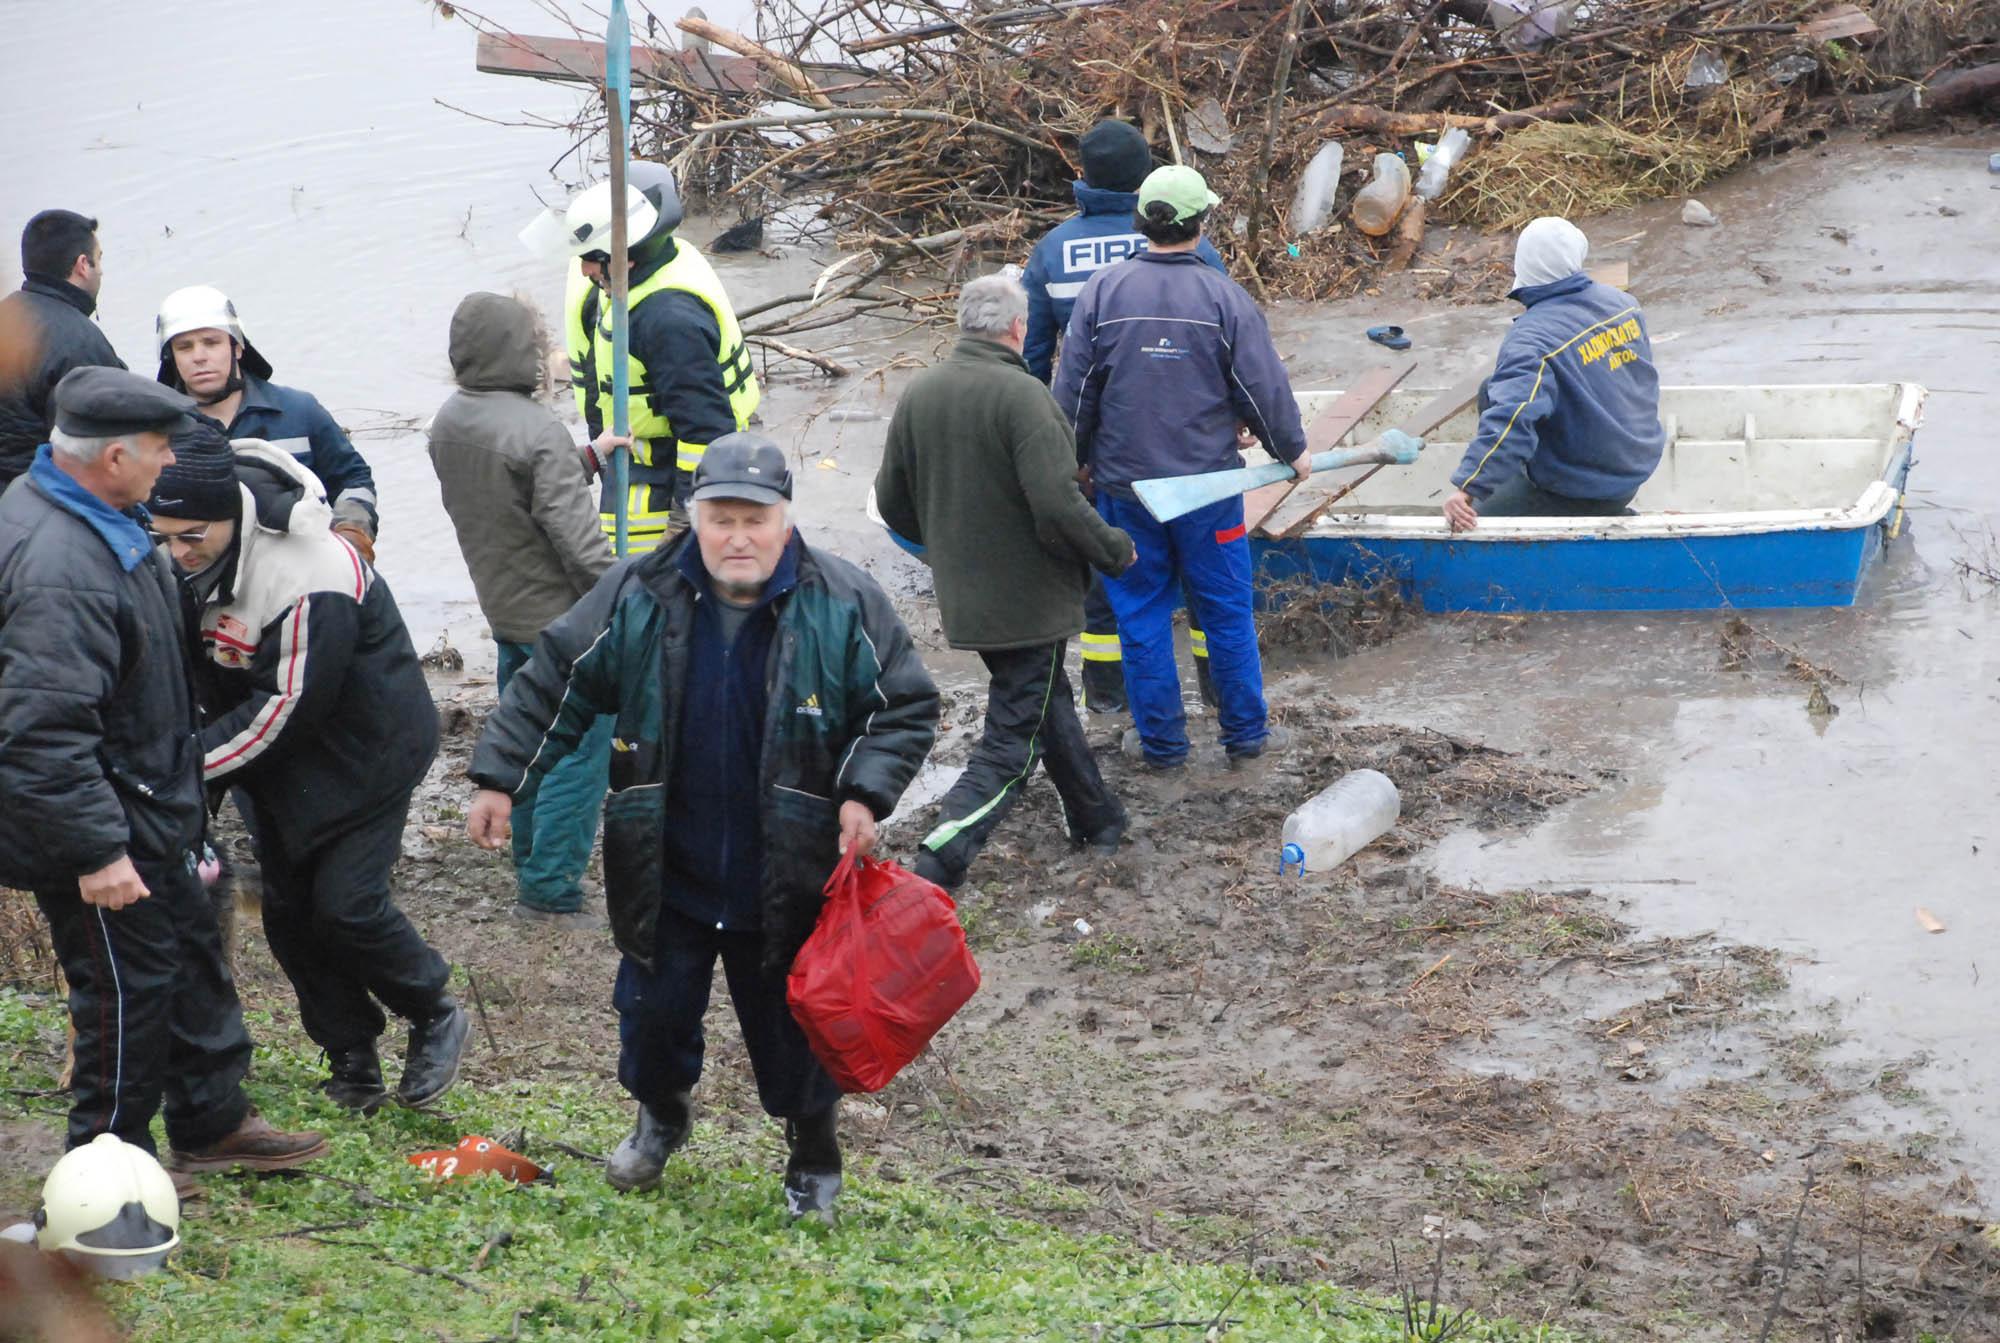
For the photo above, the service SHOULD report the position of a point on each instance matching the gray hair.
(80, 448)
(991, 304)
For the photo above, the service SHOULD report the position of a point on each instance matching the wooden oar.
(1307, 502)
(1170, 497)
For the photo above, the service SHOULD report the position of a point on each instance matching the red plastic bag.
(885, 968)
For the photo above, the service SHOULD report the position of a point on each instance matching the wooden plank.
(577, 61)
(1312, 499)
(1331, 425)
(1838, 21)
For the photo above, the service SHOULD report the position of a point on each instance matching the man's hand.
(596, 455)
(1302, 465)
(1460, 512)
(488, 823)
(357, 536)
(1087, 483)
(857, 828)
(113, 887)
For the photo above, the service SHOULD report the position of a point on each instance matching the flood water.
(297, 157)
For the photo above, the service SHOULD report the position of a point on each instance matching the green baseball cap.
(1179, 186)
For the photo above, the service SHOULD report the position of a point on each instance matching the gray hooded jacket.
(512, 482)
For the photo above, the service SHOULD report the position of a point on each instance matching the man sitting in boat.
(1569, 423)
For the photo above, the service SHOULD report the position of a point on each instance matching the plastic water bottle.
(1450, 149)
(1313, 204)
(1338, 823)
(1377, 204)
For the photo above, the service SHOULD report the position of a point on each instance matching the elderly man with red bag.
(770, 708)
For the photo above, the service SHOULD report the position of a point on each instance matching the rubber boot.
(812, 1173)
(660, 1132)
(356, 1080)
(437, 1047)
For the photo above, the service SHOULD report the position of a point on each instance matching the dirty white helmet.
(587, 222)
(110, 1204)
(197, 308)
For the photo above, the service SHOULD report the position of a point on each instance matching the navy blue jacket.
(1100, 234)
(1163, 357)
(50, 319)
(1574, 398)
(714, 812)
(295, 422)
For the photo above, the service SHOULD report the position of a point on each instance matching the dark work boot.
(660, 1132)
(437, 1047)
(356, 1081)
(812, 1174)
(1104, 841)
(932, 869)
(255, 1145)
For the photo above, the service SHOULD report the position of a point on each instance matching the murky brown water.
(297, 158)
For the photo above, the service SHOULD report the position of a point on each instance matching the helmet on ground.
(200, 307)
(111, 1205)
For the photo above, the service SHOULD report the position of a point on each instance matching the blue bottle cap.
(1292, 860)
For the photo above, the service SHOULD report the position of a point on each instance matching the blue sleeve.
(1519, 399)
(1040, 349)
(350, 485)
(1206, 251)
(1078, 379)
(1259, 387)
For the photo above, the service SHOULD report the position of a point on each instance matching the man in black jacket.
(315, 707)
(100, 787)
(770, 709)
(46, 330)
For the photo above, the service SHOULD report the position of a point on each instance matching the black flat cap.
(105, 402)
(743, 466)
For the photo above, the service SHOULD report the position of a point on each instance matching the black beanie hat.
(1116, 156)
(201, 484)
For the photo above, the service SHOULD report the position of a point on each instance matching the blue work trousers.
(555, 827)
(1208, 551)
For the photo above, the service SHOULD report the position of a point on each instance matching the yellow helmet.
(110, 1204)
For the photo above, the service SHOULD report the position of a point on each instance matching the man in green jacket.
(980, 470)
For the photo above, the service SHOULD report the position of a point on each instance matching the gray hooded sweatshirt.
(513, 485)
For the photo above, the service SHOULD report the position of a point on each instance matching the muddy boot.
(1103, 684)
(932, 869)
(660, 1132)
(812, 1174)
(1105, 841)
(255, 1145)
(1276, 741)
(437, 1047)
(356, 1079)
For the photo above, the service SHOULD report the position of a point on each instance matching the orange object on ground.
(475, 1155)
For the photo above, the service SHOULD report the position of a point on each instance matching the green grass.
(709, 1256)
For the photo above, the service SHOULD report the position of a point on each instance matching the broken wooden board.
(1327, 429)
(1311, 499)
(1836, 22)
(578, 61)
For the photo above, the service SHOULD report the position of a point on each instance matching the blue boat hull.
(1766, 569)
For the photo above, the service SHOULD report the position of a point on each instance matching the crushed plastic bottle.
(1339, 822)
(1312, 205)
(1437, 167)
(1377, 204)
(1706, 72)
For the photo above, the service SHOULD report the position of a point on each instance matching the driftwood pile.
(912, 130)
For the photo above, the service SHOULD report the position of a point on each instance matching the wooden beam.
(1325, 432)
(574, 60)
(1310, 500)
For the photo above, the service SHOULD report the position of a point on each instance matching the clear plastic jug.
(1339, 822)
(1437, 168)
(1377, 204)
(1313, 204)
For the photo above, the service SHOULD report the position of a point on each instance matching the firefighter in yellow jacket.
(690, 380)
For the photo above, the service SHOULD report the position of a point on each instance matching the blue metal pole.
(618, 109)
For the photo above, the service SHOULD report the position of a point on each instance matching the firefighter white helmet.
(587, 222)
(110, 1205)
(200, 307)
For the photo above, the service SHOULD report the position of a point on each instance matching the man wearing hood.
(1569, 423)
(46, 330)
(315, 708)
(528, 529)
(1116, 158)
(205, 353)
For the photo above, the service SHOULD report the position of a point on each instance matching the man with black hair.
(46, 330)
(1116, 158)
(1164, 362)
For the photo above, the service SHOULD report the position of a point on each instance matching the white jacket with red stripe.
(314, 700)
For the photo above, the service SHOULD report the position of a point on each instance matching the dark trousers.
(1206, 550)
(337, 933)
(1030, 718)
(1104, 657)
(1520, 497)
(155, 1013)
(556, 826)
(660, 1039)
